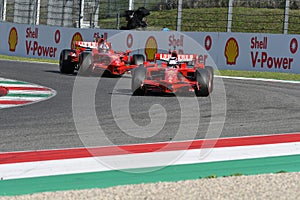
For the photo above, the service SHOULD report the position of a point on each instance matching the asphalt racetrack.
(249, 107)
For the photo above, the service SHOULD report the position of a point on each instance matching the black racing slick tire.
(65, 64)
(85, 63)
(138, 59)
(138, 76)
(204, 83)
(211, 75)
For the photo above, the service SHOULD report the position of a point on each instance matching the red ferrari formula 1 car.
(173, 74)
(93, 57)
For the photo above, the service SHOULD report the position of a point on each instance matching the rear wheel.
(138, 59)
(138, 76)
(204, 82)
(65, 64)
(211, 77)
(85, 63)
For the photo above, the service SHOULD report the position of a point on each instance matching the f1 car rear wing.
(181, 58)
(92, 45)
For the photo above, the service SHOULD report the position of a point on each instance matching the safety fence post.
(286, 17)
(179, 14)
(3, 10)
(229, 21)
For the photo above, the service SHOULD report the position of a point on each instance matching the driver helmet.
(104, 47)
(174, 53)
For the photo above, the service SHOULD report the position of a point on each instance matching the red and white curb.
(18, 93)
(15, 165)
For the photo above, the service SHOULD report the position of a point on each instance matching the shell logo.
(231, 51)
(76, 37)
(13, 39)
(150, 48)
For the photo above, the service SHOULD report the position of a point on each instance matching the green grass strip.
(4, 57)
(256, 74)
(170, 173)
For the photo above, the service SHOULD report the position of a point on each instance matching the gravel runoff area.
(265, 186)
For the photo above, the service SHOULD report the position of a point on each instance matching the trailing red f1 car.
(93, 57)
(175, 73)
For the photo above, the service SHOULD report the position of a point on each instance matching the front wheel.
(85, 63)
(204, 81)
(138, 76)
(138, 59)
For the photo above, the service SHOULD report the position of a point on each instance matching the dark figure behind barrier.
(136, 19)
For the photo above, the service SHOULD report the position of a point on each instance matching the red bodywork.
(162, 78)
(115, 63)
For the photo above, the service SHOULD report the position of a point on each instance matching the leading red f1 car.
(93, 57)
(176, 73)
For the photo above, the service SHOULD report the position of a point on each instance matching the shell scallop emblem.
(13, 39)
(151, 48)
(76, 37)
(231, 51)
